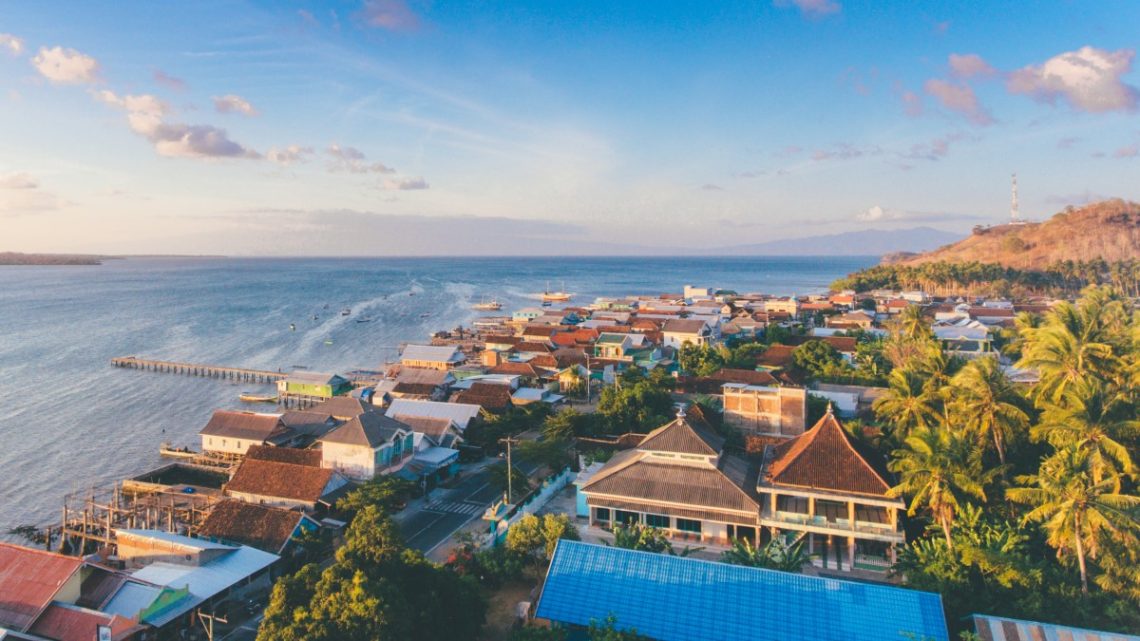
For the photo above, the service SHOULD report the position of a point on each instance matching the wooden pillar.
(811, 507)
(851, 514)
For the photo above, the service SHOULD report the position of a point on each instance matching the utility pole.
(510, 468)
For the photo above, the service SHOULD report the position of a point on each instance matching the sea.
(70, 421)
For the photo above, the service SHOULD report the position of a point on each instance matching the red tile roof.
(746, 376)
(529, 346)
(311, 458)
(776, 356)
(824, 458)
(514, 369)
(70, 623)
(280, 480)
(265, 528)
(486, 395)
(29, 579)
(845, 344)
(244, 425)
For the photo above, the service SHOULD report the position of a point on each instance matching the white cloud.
(232, 104)
(354, 161)
(288, 155)
(405, 184)
(872, 214)
(880, 214)
(812, 8)
(960, 99)
(970, 65)
(1090, 79)
(66, 66)
(18, 181)
(12, 44)
(169, 81)
(146, 117)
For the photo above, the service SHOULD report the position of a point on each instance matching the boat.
(257, 398)
(546, 303)
(559, 296)
(488, 306)
(364, 319)
(292, 327)
(328, 341)
(425, 314)
(345, 312)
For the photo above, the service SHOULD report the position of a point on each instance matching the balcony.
(823, 525)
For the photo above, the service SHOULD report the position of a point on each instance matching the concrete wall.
(227, 445)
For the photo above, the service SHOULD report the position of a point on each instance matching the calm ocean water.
(69, 420)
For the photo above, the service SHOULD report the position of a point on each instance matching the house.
(770, 410)
(463, 415)
(233, 432)
(492, 397)
(677, 331)
(892, 306)
(849, 400)
(994, 628)
(500, 343)
(789, 306)
(858, 319)
(313, 385)
(526, 314)
(820, 485)
(991, 315)
(679, 480)
(366, 446)
(441, 357)
(343, 408)
(615, 346)
(166, 591)
(964, 337)
(528, 395)
(285, 484)
(713, 383)
(432, 432)
(269, 529)
(674, 598)
(44, 595)
(308, 425)
(776, 357)
(423, 384)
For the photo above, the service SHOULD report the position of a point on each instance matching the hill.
(867, 242)
(1107, 230)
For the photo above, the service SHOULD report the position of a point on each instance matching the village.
(736, 434)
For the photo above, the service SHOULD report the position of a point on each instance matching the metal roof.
(461, 413)
(673, 598)
(994, 628)
(431, 353)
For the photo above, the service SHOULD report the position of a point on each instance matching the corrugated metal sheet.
(992, 628)
(29, 579)
(461, 413)
(680, 599)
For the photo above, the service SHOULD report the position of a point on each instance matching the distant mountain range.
(1109, 230)
(866, 242)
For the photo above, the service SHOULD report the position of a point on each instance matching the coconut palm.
(906, 405)
(1077, 511)
(986, 402)
(1070, 346)
(1093, 418)
(939, 469)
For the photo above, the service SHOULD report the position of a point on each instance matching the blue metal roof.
(680, 599)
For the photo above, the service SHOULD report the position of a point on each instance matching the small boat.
(364, 319)
(345, 312)
(328, 341)
(411, 293)
(488, 306)
(257, 398)
(425, 314)
(315, 317)
(546, 303)
(292, 327)
(555, 296)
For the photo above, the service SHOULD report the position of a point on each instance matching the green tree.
(1092, 418)
(1077, 511)
(536, 538)
(519, 484)
(817, 358)
(776, 554)
(1073, 343)
(607, 630)
(986, 402)
(389, 493)
(940, 470)
(907, 405)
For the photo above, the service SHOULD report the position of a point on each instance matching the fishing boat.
(488, 306)
(558, 296)
(364, 319)
(345, 312)
(257, 398)
(425, 314)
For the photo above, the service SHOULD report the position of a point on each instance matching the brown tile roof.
(514, 369)
(422, 375)
(265, 528)
(544, 360)
(415, 389)
(372, 429)
(683, 436)
(776, 356)
(502, 340)
(343, 407)
(311, 458)
(570, 356)
(531, 346)
(244, 425)
(682, 326)
(636, 475)
(307, 422)
(63, 622)
(840, 343)
(280, 480)
(441, 431)
(745, 376)
(489, 396)
(824, 458)
(29, 579)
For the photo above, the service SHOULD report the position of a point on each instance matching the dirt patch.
(501, 611)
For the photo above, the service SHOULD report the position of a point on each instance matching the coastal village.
(758, 443)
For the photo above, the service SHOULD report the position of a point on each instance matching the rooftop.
(29, 579)
(432, 353)
(259, 526)
(672, 598)
(280, 480)
(244, 425)
(371, 429)
(824, 458)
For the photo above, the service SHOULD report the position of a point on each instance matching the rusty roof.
(244, 425)
(280, 480)
(776, 356)
(29, 579)
(487, 395)
(64, 622)
(265, 528)
(824, 458)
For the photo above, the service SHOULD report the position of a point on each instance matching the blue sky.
(397, 126)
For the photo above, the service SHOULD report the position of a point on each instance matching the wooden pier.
(197, 369)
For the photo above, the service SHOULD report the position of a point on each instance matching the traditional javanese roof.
(824, 458)
(683, 436)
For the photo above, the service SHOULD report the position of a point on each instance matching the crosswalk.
(455, 507)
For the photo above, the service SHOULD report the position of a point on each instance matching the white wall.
(356, 461)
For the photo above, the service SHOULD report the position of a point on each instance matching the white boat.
(488, 306)
(558, 296)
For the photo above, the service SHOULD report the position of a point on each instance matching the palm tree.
(940, 469)
(906, 405)
(988, 404)
(1074, 507)
(1094, 419)
(912, 325)
(1068, 347)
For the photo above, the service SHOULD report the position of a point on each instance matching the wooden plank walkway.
(197, 369)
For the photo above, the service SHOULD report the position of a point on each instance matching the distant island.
(18, 258)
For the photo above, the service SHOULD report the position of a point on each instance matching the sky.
(394, 127)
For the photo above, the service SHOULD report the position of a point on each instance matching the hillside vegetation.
(1108, 230)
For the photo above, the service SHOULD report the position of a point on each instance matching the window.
(621, 516)
(602, 513)
(689, 525)
(657, 520)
